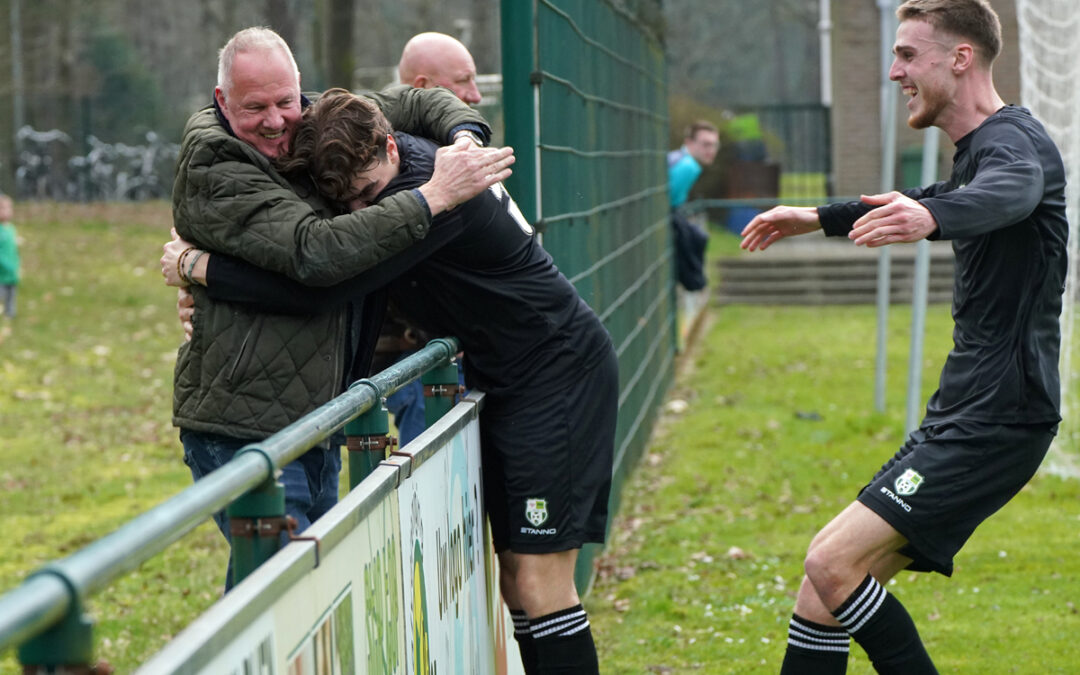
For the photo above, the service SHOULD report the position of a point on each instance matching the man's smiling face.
(922, 67)
(263, 103)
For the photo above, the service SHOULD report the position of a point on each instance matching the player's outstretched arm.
(897, 218)
(463, 171)
(777, 223)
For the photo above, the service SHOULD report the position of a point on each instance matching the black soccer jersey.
(480, 275)
(1003, 207)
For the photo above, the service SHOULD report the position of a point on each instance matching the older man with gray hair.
(244, 374)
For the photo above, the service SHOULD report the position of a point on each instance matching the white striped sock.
(864, 606)
(814, 637)
(561, 624)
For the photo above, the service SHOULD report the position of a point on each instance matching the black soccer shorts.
(948, 478)
(547, 463)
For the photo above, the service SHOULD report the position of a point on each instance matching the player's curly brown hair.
(339, 136)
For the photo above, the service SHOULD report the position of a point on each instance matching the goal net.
(1050, 88)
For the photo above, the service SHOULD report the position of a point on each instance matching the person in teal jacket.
(685, 165)
(701, 143)
(9, 257)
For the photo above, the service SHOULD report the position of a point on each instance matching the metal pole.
(920, 291)
(368, 438)
(18, 101)
(521, 88)
(256, 521)
(440, 389)
(825, 30)
(888, 182)
(18, 93)
(68, 646)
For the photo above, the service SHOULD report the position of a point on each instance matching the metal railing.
(54, 594)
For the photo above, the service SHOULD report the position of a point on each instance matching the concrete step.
(827, 273)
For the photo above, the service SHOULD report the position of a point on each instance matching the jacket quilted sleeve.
(431, 113)
(229, 198)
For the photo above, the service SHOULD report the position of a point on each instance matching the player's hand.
(185, 311)
(898, 218)
(172, 251)
(463, 171)
(777, 223)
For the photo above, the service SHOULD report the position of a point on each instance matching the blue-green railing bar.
(49, 593)
(368, 438)
(256, 521)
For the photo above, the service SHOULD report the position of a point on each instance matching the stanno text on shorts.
(891, 495)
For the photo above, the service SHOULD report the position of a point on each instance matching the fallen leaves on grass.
(736, 553)
(676, 406)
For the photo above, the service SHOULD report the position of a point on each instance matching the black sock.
(564, 643)
(525, 640)
(881, 626)
(815, 649)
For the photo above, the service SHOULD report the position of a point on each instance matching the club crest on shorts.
(536, 511)
(908, 482)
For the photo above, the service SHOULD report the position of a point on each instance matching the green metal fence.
(585, 106)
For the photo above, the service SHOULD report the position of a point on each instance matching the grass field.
(85, 401)
(778, 435)
(703, 562)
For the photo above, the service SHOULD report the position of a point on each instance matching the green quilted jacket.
(247, 374)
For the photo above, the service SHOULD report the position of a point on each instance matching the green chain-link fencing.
(585, 105)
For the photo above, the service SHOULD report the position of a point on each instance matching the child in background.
(9, 257)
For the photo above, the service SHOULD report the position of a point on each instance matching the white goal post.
(1050, 88)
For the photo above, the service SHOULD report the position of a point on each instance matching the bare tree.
(338, 58)
(281, 17)
(739, 53)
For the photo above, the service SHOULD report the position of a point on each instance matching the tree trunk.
(281, 18)
(338, 43)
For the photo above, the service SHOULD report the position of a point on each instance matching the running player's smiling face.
(923, 57)
(367, 184)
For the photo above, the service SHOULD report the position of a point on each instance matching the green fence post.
(66, 647)
(368, 437)
(440, 388)
(255, 524)
(520, 94)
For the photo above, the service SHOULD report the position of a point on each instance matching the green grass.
(778, 436)
(86, 444)
(85, 401)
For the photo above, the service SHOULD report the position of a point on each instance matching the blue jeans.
(7, 299)
(311, 481)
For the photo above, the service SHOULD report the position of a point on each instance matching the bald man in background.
(428, 60)
(438, 60)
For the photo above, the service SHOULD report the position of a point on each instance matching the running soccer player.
(540, 354)
(996, 410)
